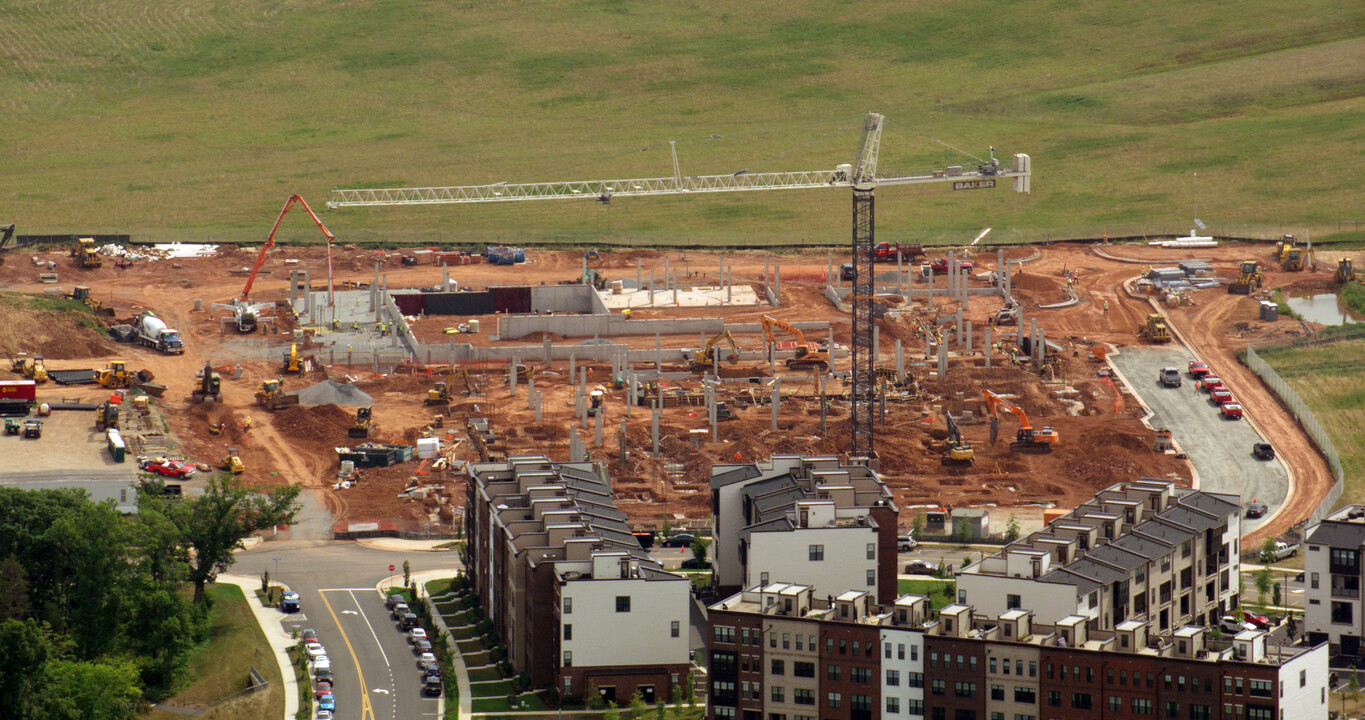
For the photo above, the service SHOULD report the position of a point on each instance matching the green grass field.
(195, 119)
(1331, 380)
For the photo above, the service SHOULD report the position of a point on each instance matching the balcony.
(1352, 593)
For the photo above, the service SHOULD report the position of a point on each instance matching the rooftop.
(1344, 528)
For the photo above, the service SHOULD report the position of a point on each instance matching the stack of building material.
(1196, 268)
(375, 454)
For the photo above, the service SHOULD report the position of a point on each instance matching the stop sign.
(390, 568)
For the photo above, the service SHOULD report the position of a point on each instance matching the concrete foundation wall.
(563, 298)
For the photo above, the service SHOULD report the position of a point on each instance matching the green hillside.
(197, 118)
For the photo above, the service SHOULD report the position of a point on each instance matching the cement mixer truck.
(153, 333)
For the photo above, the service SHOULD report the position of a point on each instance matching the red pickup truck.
(1198, 369)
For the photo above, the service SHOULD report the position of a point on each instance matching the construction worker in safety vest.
(1106, 307)
(355, 327)
(336, 324)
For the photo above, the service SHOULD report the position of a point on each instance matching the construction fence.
(1310, 423)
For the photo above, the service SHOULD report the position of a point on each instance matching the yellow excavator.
(86, 254)
(1249, 279)
(1155, 331)
(808, 355)
(439, 395)
(1346, 271)
(958, 451)
(707, 357)
(1028, 437)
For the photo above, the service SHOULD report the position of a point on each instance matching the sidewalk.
(420, 580)
(269, 620)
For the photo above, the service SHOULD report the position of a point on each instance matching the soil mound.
(321, 426)
(331, 392)
(54, 334)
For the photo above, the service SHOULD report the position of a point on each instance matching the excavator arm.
(769, 323)
(270, 242)
(994, 403)
(707, 354)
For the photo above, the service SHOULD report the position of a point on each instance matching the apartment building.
(1140, 550)
(831, 526)
(973, 666)
(580, 606)
(1332, 575)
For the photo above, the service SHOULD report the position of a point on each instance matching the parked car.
(399, 609)
(417, 632)
(1220, 396)
(432, 686)
(1210, 383)
(1170, 376)
(1256, 509)
(309, 635)
(323, 715)
(324, 674)
(1260, 621)
(324, 687)
(1263, 451)
(920, 567)
(426, 660)
(289, 601)
(320, 664)
(1198, 369)
(1230, 624)
(327, 702)
(421, 645)
(392, 600)
(1231, 411)
(681, 540)
(315, 650)
(408, 621)
(906, 543)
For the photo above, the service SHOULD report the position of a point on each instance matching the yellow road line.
(366, 709)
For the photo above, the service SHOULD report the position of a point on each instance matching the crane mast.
(861, 177)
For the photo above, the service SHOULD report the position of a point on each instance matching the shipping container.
(18, 390)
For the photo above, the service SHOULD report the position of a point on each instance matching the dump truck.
(1248, 280)
(272, 396)
(1155, 330)
(152, 332)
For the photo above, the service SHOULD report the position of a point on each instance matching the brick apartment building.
(903, 661)
(833, 526)
(1140, 550)
(580, 606)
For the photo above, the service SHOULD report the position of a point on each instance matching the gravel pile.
(331, 392)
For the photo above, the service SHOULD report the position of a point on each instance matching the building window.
(1081, 701)
(914, 680)
(829, 646)
(871, 578)
(1025, 695)
(778, 693)
(568, 658)
(1201, 712)
(1341, 613)
(991, 666)
(1033, 668)
(1314, 581)
(568, 606)
(1303, 678)
(856, 646)
(622, 603)
(1141, 706)
(674, 629)
(568, 684)
(860, 674)
(772, 640)
(997, 716)
(997, 692)
(1260, 713)
(1115, 703)
(914, 707)
(1261, 688)
(1054, 698)
(725, 713)
(568, 632)
(1166, 564)
(724, 634)
(886, 651)
(800, 641)
(744, 636)
(786, 641)
(803, 669)
(779, 667)
(834, 699)
(1172, 709)
(960, 714)
(763, 579)
(914, 653)
(893, 678)
(833, 673)
(803, 696)
(843, 647)
(871, 551)
(860, 703)
(893, 705)
(936, 687)
(964, 689)
(1013, 602)
(817, 553)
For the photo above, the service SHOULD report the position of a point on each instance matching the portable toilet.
(116, 446)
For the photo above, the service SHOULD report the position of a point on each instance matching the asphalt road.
(1219, 449)
(375, 668)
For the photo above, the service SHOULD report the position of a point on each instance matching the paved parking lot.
(1219, 449)
(69, 442)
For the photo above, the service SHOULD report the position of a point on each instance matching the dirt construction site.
(642, 332)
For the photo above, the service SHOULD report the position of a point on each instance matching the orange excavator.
(807, 354)
(1027, 438)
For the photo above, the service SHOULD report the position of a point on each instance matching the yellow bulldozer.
(958, 452)
(1346, 271)
(233, 462)
(272, 396)
(117, 375)
(364, 422)
(81, 294)
(1249, 279)
(86, 254)
(1155, 331)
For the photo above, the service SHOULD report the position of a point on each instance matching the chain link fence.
(1310, 423)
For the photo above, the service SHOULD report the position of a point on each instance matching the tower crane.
(861, 177)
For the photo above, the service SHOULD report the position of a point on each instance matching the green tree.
(691, 688)
(1264, 581)
(1012, 529)
(1268, 551)
(667, 530)
(214, 524)
(1275, 595)
(638, 707)
(1292, 626)
(613, 712)
(104, 689)
(659, 710)
(407, 573)
(917, 526)
(962, 529)
(23, 665)
(699, 548)
(1353, 686)
(944, 569)
(14, 589)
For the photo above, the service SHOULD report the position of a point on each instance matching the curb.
(277, 642)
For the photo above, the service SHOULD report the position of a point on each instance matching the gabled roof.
(1338, 534)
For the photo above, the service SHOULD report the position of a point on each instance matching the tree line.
(96, 610)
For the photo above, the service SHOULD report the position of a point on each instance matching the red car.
(1221, 396)
(1232, 411)
(1259, 621)
(941, 265)
(1210, 383)
(324, 688)
(170, 468)
(1198, 369)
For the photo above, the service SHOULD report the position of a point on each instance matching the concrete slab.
(740, 295)
(1220, 449)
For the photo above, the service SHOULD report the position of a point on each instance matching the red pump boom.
(270, 243)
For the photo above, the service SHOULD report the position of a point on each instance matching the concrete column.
(776, 400)
(900, 362)
(830, 277)
(926, 347)
(630, 393)
(512, 376)
(651, 287)
(623, 443)
(445, 277)
(1042, 348)
(1007, 277)
(720, 273)
(638, 274)
(987, 349)
(876, 343)
(1019, 332)
(573, 361)
(583, 380)
(546, 344)
(654, 427)
(931, 288)
(969, 335)
(777, 283)
(824, 405)
(1033, 337)
(957, 326)
(942, 360)
(530, 392)
(900, 271)
(539, 406)
(729, 284)
(766, 279)
(1000, 265)
(772, 359)
(658, 353)
(597, 433)
(952, 272)
(667, 284)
